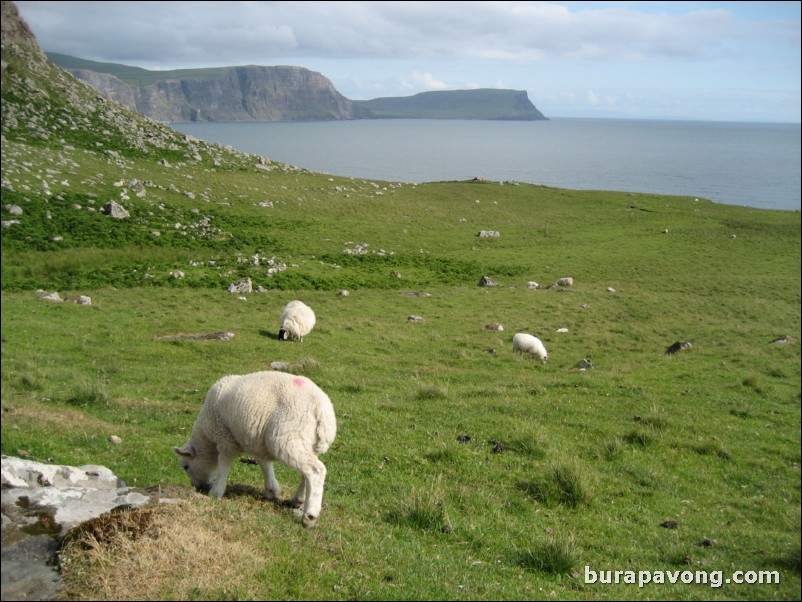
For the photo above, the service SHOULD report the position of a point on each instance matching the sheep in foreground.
(297, 320)
(270, 416)
(527, 343)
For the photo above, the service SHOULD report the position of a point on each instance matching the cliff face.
(14, 30)
(230, 94)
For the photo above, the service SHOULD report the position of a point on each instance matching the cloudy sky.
(732, 61)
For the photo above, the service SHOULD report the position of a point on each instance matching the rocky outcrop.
(14, 29)
(40, 503)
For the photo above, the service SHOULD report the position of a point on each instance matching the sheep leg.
(272, 488)
(313, 473)
(300, 494)
(315, 477)
(224, 463)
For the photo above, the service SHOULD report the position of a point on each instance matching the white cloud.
(427, 81)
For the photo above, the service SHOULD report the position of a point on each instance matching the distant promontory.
(280, 93)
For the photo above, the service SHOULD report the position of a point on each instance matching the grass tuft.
(425, 511)
(713, 447)
(556, 556)
(91, 393)
(562, 485)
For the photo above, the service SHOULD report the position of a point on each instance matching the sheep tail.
(326, 427)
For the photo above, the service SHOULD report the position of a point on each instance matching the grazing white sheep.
(271, 416)
(527, 343)
(567, 281)
(297, 320)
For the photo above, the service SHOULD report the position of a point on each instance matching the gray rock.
(27, 573)
(40, 503)
(241, 286)
(115, 210)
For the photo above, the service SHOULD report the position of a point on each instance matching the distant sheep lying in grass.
(527, 343)
(271, 416)
(297, 320)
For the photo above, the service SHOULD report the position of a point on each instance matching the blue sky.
(722, 61)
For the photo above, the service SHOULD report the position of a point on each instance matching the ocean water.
(749, 164)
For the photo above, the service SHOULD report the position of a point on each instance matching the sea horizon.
(754, 164)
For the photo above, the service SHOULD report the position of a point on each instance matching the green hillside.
(136, 76)
(460, 471)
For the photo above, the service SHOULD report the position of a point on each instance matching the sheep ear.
(188, 451)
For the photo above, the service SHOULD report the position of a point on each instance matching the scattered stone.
(679, 346)
(495, 326)
(498, 447)
(487, 281)
(669, 524)
(241, 286)
(46, 296)
(115, 439)
(212, 336)
(303, 365)
(115, 210)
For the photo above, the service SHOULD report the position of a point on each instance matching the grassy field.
(460, 471)
(421, 502)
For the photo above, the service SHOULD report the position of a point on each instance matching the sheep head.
(199, 467)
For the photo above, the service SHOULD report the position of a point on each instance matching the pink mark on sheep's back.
(298, 382)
